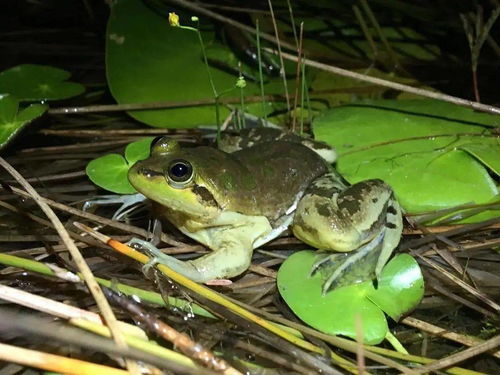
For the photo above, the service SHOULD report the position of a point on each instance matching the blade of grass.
(56, 363)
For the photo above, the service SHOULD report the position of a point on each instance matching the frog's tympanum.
(255, 187)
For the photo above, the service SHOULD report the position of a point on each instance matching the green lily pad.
(147, 60)
(110, 171)
(12, 120)
(400, 287)
(487, 153)
(418, 147)
(336, 312)
(38, 82)
(138, 150)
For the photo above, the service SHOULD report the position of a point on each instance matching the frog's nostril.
(149, 173)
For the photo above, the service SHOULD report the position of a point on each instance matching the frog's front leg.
(363, 222)
(231, 237)
(231, 258)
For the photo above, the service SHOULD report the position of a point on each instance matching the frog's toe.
(324, 259)
(149, 248)
(147, 267)
(142, 244)
(354, 267)
(128, 203)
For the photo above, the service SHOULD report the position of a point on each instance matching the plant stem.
(261, 79)
(297, 79)
(282, 62)
(395, 85)
(212, 85)
(395, 343)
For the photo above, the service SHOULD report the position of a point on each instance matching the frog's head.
(185, 181)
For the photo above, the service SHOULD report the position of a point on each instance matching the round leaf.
(336, 312)
(487, 152)
(400, 287)
(138, 150)
(38, 82)
(110, 173)
(165, 63)
(387, 139)
(11, 121)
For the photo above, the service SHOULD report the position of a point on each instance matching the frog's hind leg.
(361, 223)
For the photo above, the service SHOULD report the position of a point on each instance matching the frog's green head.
(192, 182)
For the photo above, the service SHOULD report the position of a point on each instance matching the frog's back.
(282, 171)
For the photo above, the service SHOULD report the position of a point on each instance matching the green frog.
(257, 186)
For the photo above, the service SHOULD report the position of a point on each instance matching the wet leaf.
(418, 147)
(110, 171)
(12, 120)
(336, 312)
(400, 287)
(165, 63)
(38, 82)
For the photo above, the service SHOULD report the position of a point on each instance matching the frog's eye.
(179, 173)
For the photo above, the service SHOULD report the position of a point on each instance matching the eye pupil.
(180, 171)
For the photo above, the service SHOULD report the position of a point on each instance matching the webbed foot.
(341, 269)
(155, 255)
(127, 202)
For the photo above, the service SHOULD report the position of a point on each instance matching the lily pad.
(38, 82)
(486, 153)
(400, 287)
(110, 171)
(419, 147)
(147, 60)
(12, 120)
(337, 312)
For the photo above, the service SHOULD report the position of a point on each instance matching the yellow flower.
(173, 19)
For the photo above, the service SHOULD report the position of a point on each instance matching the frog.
(258, 185)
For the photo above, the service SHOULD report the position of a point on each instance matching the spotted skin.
(257, 186)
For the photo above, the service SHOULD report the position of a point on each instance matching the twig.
(102, 220)
(477, 33)
(461, 283)
(441, 332)
(51, 362)
(180, 340)
(282, 63)
(381, 34)
(93, 286)
(460, 356)
(155, 105)
(366, 32)
(393, 85)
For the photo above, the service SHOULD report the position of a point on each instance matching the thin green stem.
(210, 79)
(303, 92)
(395, 343)
(261, 79)
(242, 103)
